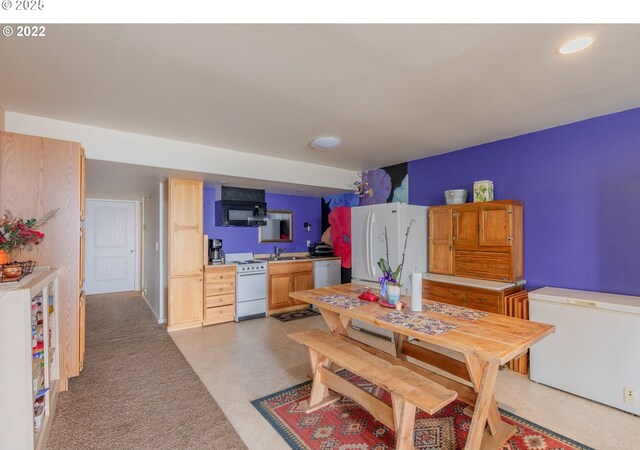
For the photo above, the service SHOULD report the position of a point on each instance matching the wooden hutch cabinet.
(477, 240)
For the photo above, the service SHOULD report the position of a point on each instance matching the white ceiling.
(392, 93)
(119, 181)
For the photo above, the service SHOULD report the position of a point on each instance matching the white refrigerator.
(368, 224)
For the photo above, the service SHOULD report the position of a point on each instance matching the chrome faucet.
(277, 252)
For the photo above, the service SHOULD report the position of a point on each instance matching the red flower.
(340, 221)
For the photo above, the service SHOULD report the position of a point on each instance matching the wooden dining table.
(469, 346)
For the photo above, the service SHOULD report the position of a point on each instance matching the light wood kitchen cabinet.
(279, 288)
(185, 240)
(284, 278)
(220, 294)
(38, 175)
(480, 240)
(185, 302)
(301, 282)
(82, 331)
(83, 185)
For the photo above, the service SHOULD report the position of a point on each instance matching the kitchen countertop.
(221, 265)
(472, 282)
(299, 257)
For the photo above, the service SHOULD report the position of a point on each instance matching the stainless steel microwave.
(240, 213)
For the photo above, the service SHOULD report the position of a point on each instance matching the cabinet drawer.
(449, 300)
(487, 307)
(219, 300)
(290, 267)
(488, 299)
(230, 268)
(220, 277)
(441, 291)
(219, 314)
(485, 265)
(220, 288)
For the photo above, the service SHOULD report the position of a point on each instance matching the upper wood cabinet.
(477, 240)
(465, 231)
(37, 175)
(440, 240)
(496, 225)
(185, 227)
(83, 185)
(185, 242)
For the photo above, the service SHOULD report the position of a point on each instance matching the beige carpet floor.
(136, 391)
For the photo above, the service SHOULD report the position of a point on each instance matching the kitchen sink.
(291, 258)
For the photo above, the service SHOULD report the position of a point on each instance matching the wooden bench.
(408, 389)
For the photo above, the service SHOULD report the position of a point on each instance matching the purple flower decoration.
(347, 200)
(378, 184)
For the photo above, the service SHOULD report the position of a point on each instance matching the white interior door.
(111, 246)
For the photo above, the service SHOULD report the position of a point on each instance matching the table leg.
(335, 322)
(399, 340)
(483, 376)
(320, 395)
(404, 416)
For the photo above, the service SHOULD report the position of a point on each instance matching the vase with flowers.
(390, 281)
(17, 233)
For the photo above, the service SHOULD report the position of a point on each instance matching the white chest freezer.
(595, 351)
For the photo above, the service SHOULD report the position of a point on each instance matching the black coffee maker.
(216, 254)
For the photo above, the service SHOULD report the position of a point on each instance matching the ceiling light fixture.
(325, 143)
(575, 45)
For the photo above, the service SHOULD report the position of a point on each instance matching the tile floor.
(241, 362)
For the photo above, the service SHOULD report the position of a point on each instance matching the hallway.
(137, 391)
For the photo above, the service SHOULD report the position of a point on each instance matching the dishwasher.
(327, 272)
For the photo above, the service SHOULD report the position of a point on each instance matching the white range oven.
(251, 286)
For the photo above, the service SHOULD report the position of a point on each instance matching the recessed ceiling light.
(325, 142)
(575, 45)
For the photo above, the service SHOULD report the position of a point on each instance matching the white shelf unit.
(20, 378)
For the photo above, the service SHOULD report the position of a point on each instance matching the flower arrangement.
(362, 188)
(16, 233)
(389, 276)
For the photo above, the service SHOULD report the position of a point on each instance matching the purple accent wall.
(245, 239)
(580, 184)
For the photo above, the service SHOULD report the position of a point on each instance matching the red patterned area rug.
(346, 426)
